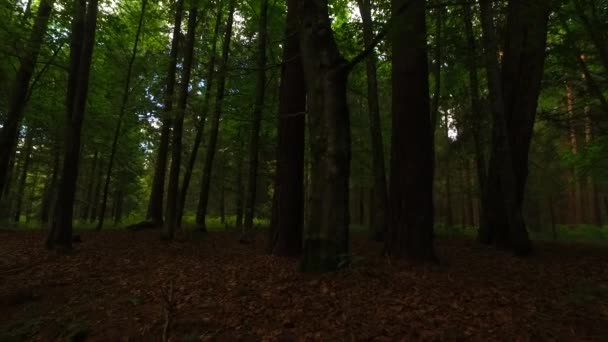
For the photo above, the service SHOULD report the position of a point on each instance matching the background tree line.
(404, 116)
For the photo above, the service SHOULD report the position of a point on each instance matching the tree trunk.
(27, 158)
(326, 73)
(50, 190)
(476, 109)
(121, 113)
(18, 99)
(258, 107)
(288, 202)
(201, 121)
(513, 98)
(84, 213)
(380, 201)
(172, 218)
(576, 198)
(240, 193)
(83, 42)
(215, 123)
(155, 206)
(411, 196)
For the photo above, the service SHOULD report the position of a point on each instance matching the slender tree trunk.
(240, 192)
(121, 113)
(94, 208)
(118, 206)
(288, 203)
(27, 158)
(84, 213)
(595, 212)
(411, 195)
(576, 198)
(258, 107)
(85, 21)
(18, 99)
(201, 122)
(380, 202)
(172, 218)
(32, 195)
(215, 122)
(476, 108)
(155, 206)
(449, 211)
(51, 187)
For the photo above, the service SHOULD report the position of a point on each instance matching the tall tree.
(18, 98)
(379, 205)
(288, 203)
(258, 107)
(121, 114)
(204, 110)
(155, 206)
(326, 73)
(476, 108)
(215, 123)
(84, 24)
(178, 126)
(513, 98)
(411, 196)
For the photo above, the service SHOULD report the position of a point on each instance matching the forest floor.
(120, 285)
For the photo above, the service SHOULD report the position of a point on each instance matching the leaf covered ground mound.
(119, 285)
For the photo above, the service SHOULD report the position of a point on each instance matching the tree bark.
(258, 107)
(172, 219)
(155, 206)
(121, 113)
(215, 122)
(380, 201)
(326, 73)
(513, 98)
(83, 42)
(51, 186)
(288, 202)
(18, 99)
(411, 196)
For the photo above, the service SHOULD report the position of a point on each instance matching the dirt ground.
(119, 286)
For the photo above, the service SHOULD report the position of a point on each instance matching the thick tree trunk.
(513, 99)
(172, 219)
(27, 158)
(200, 128)
(155, 206)
(326, 73)
(411, 196)
(85, 21)
(121, 114)
(18, 99)
(258, 107)
(379, 205)
(288, 202)
(215, 122)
